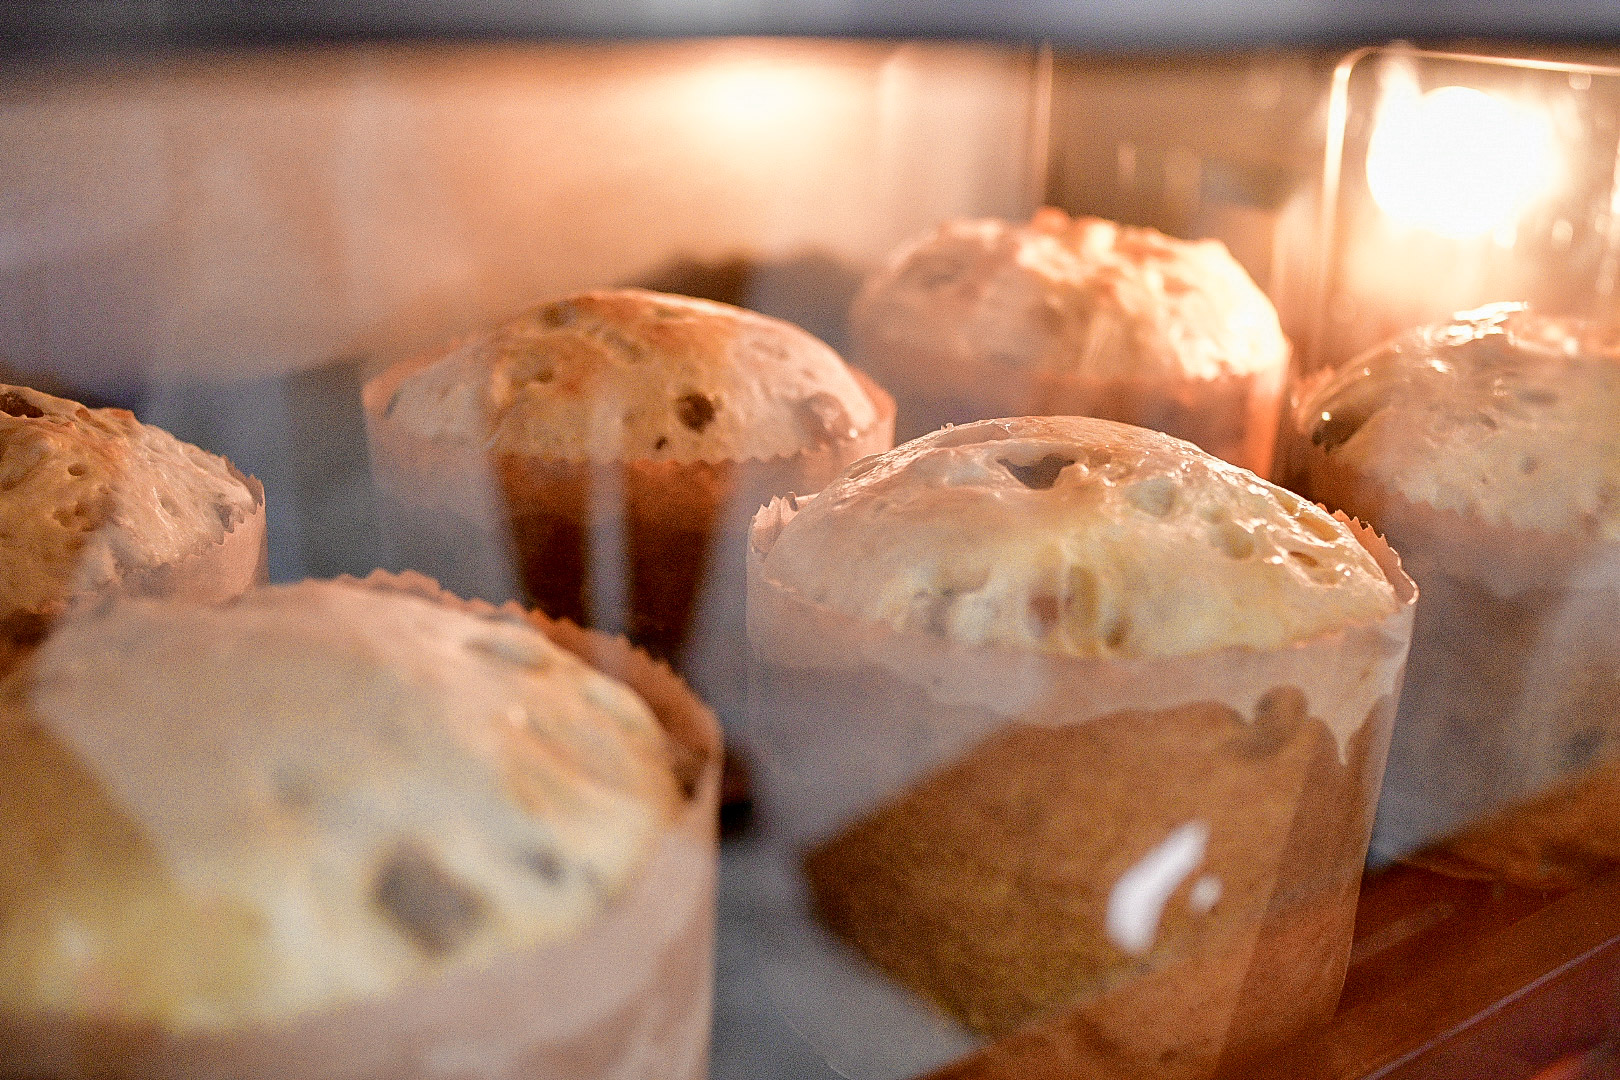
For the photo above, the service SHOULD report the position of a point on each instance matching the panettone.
(1487, 449)
(1077, 731)
(337, 814)
(983, 318)
(225, 815)
(632, 375)
(94, 503)
(1076, 536)
(603, 454)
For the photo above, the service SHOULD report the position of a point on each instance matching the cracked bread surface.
(1070, 296)
(1076, 536)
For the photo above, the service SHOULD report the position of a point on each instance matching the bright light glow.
(1457, 161)
(750, 97)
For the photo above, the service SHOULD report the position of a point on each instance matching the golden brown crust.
(90, 497)
(1078, 536)
(1502, 414)
(210, 571)
(631, 375)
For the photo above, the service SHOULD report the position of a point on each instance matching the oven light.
(750, 97)
(1457, 161)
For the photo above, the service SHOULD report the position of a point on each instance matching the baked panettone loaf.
(1079, 729)
(611, 448)
(1487, 449)
(94, 503)
(629, 375)
(327, 812)
(1076, 316)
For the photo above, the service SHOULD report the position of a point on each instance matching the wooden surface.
(1453, 978)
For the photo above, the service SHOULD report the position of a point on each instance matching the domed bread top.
(1501, 413)
(1082, 297)
(627, 374)
(89, 495)
(1076, 536)
(216, 816)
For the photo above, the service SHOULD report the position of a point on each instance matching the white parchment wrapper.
(654, 550)
(1227, 800)
(1513, 686)
(629, 998)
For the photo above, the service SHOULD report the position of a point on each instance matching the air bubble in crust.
(1233, 539)
(75, 518)
(1318, 525)
(1040, 475)
(14, 404)
(860, 468)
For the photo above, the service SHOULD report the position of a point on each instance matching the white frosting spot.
(1205, 894)
(1139, 896)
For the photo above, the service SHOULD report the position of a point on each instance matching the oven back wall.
(229, 243)
(235, 216)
